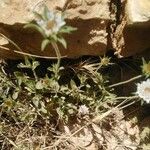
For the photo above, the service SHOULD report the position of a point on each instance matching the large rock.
(138, 11)
(122, 25)
(91, 17)
(132, 34)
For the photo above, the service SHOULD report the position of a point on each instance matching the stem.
(57, 52)
(125, 82)
(58, 57)
(35, 76)
(127, 99)
(28, 54)
(125, 106)
(12, 42)
(124, 97)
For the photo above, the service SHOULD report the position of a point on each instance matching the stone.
(91, 17)
(121, 25)
(138, 11)
(132, 34)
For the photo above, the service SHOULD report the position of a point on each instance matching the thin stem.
(35, 76)
(124, 97)
(28, 54)
(129, 104)
(57, 52)
(127, 81)
(10, 41)
(58, 57)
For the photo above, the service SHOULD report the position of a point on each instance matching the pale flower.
(52, 23)
(83, 110)
(143, 90)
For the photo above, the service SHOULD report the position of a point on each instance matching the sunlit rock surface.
(102, 25)
(138, 11)
(91, 17)
(132, 34)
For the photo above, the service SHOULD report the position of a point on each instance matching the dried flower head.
(105, 61)
(143, 90)
(83, 110)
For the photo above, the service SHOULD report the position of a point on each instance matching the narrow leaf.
(39, 16)
(45, 12)
(67, 29)
(45, 42)
(35, 101)
(63, 42)
(39, 85)
(35, 64)
(36, 27)
(15, 95)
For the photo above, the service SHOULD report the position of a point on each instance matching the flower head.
(83, 110)
(51, 22)
(105, 61)
(143, 90)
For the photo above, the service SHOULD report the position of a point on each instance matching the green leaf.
(36, 100)
(39, 16)
(26, 65)
(15, 95)
(35, 65)
(63, 42)
(45, 12)
(73, 85)
(18, 74)
(55, 86)
(50, 69)
(30, 86)
(36, 27)
(29, 90)
(54, 37)
(21, 65)
(67, 29)
(39, 85)
(45, 42)
(42, 109)
(27, 62)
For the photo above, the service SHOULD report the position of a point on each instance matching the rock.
(138, 11)
(132, 34)
(91, 17)
(122, 25)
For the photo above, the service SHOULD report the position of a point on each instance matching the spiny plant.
(50, 96)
